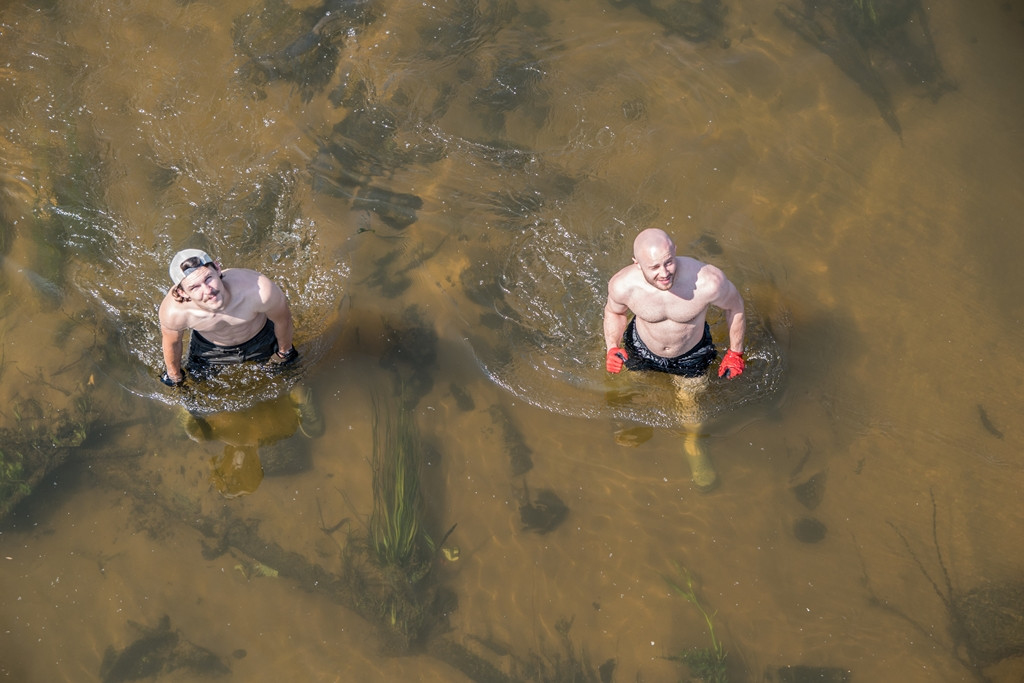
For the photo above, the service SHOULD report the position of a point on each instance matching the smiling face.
(655, 254)
(203, 287)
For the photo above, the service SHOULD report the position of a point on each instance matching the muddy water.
(879, 272)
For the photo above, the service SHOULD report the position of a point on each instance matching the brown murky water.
(879, 270)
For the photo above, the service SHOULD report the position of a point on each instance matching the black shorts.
(202, 353)
(693, 363)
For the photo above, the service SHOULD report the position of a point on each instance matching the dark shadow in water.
(542, 511)
(520, 455)
(358, 157)
(695, 20)
(298, 46)
(157, 651)
(864, 38)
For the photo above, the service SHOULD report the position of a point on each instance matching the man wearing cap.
(669, 296)
(235, 315)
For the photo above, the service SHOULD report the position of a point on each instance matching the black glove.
(166, 379)
(289, 357)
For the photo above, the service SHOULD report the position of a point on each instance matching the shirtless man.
(235, 315)
(669, 296)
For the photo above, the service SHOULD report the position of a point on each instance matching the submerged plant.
(866, 9)
(11, 475)
(708, 663)
(396, 524)
(388, 569)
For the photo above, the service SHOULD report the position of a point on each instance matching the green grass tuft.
(709, 663)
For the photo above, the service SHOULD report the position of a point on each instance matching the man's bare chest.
(228, 329)
(667, 308)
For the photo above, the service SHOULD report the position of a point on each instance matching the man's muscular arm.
(724, 295)
(732, 305)
(172, 331)
(615, 320)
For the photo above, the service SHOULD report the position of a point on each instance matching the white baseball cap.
(179, 269)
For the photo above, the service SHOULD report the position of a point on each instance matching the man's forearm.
(172, 359)
(283, 330)
(737, 330)
(614, 326)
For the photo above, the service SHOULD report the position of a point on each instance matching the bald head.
(651, 243)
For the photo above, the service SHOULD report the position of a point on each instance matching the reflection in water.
(271, 437)
(237, 472)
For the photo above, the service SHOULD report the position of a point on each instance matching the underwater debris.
(300, 47)
(986, 623)
(987, 424)
(809, 674)
(463, 401)
(360, 153)
(697, 21)
(255, 568)
(993, 621)
(809, 493)
(519, 454)
(158, 651)
(809, 530)
(543, 512)
(631, 437)
(38, 446)
(514, 85)
(396, 209)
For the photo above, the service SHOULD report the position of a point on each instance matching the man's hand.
(614, 359)
(166, 379)
(285, 358)
(732, 365)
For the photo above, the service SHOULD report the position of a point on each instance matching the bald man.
(669, 296)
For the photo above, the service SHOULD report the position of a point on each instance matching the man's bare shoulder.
(242, 276)
(174, 315)
(709, 274)
(625, 279)
(622, 287)
(246, 279)
(711, 281)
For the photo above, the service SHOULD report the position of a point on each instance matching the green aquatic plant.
(12, 475)
(708, 663)
(867, 11)
(396, 524)
(388, 573)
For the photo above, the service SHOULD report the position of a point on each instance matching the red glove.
(614, 359)
(732, 365)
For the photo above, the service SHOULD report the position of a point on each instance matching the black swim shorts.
(202, 353)
(693, 363)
